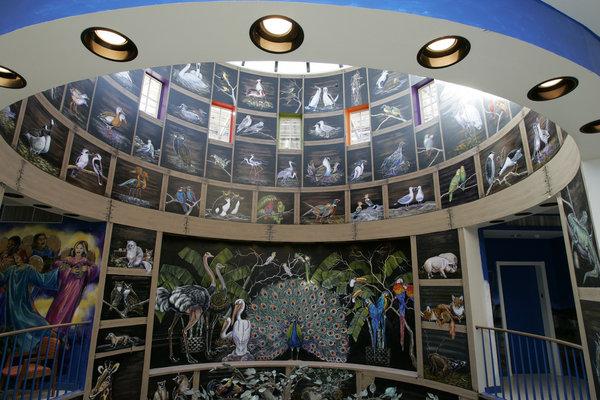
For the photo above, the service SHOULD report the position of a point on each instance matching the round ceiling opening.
(276, 34)
(109, 44)
(591, 127)
(443, 52)
(552, 88)
(10, 79)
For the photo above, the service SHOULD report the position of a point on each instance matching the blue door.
(523, 312)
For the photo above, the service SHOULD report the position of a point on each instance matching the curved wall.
(172, 156)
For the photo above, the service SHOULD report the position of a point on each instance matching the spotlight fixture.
(276, 34)
(552, 88)
(10, 79)
(591, 127)
(109, 44)
(443, 52)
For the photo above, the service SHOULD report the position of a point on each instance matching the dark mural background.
(313, 287)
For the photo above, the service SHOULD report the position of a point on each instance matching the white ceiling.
(586, 12)
(51, 54)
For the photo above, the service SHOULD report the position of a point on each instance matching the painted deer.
(103, 388)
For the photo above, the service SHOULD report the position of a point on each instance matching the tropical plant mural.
(226, 301)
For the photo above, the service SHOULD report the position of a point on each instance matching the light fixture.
(443, 52)
(10, 79)
(552, 88)
(591, 127)
(109, 44)
(276, 34)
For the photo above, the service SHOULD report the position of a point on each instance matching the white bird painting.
(245, 124)
(407, 198)
(81, 163)
(467, 116)
(490, 168)
(222, 211)
(359, 169)
(419, 197)
(540, 139)
(323, 130)
(313, 104)
(191, 79)
(512, 158)
(428, 142)
(328, 100)
(97, 167)
(381, 79)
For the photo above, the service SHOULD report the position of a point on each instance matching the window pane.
(360, 127)
(150, 96)
(290, 133)
(219, 126)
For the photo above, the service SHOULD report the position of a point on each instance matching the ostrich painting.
(190, 300)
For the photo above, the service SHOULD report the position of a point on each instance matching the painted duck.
(78, 98)
(113, 120)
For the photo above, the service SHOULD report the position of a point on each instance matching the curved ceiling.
(527, 20)
(389, 37)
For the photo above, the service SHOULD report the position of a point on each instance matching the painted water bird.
(40, 139)
(97, 167)
(245, 124)
(190, 300)
(324, 130)
(467, 116)
(113, 120)
(315, 99)
(512, 159)
(540, 138)
(191, 79)
(381, 79)
(256, 128)
(358, 171)
(357, 210)
(407, 198)
(81, 163)
(392, 164)
(287, 174)
(222, 210)
(490, 168)
(327, 165)
(419, 196)
(124, 78)
(298, 314)
(328, 100)
(78, 98)
(257, 91)
(236, 201)
(189, 114)
(368, 201)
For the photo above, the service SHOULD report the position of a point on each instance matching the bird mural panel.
(324, 165)
(322, 208)
(254, 163)
(275, 208)
(385, 83)
(258, 92)
(195, 77)
(183, 196)
(55, 95)
(542, 137)
(147, 141)
(503, 163)
(324, 128)
(225, 85)
(394, 153)
(232, 205)
(77, 101)
(88, 165)
(291, 93)
(184, 148)
(188, 109)
(323, 94)
(8, 119)
(355, 87)
(391, 113)
(458, 183)
(368, 204)
(136, 185)
(256, 126)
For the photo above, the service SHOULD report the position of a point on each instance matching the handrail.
(42, 328)
(532, 335)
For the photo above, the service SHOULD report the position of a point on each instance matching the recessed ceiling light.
(13, 195)
(443, 52)
(591, 127)
(552, 88)
(276, 34)
(10, 79)
(109, 44)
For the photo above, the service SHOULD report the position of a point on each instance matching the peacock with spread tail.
(296, 314)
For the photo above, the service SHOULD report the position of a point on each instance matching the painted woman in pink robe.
(75, 273)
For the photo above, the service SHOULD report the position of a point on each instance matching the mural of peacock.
(293, 314)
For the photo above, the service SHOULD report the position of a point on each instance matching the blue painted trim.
(532, 21)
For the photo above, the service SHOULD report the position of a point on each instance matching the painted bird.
(458, 179)
(428, 143)
(97, 167)
(113, 120)
(512, 159)
(368, 201)
(190, 195)
(328, 100)
(393, 111)
(377, 316)
(382, 78)
(296, 314)
(81, 163)
(40, 139)
(358, 171)
(245, 124)
(403, 293)
(78, 98)
(419, 196)
(190, 115)
(315, 99)
(180, 197)
(357, 210)
(324, 130)
(181, 150)
(392, 164)
(490, 168)
(147, 149)
(407, 198)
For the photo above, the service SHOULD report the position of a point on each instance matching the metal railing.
(525, 366)
(44, 362)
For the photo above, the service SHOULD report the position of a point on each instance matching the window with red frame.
(220, 125)
(358, 125)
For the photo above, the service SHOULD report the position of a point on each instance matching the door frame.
(543, 292)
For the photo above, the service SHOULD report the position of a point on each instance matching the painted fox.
(446, 314)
